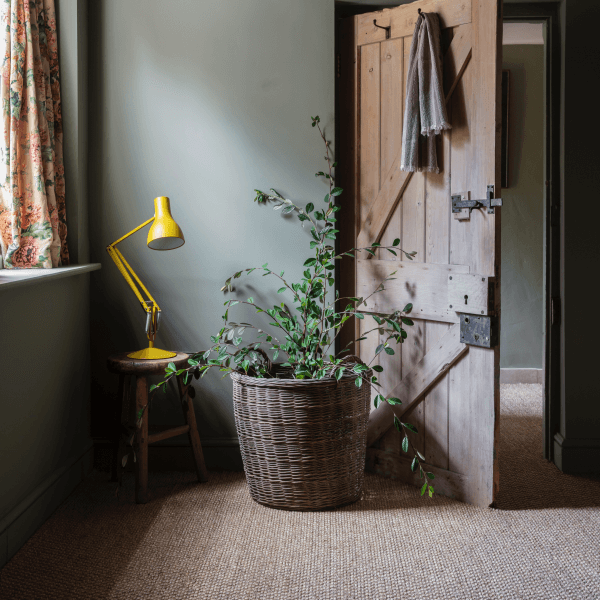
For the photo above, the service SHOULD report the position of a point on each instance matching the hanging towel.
(425, 109)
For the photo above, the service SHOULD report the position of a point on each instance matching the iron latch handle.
(489, 202)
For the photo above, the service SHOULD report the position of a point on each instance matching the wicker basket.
(303, 442)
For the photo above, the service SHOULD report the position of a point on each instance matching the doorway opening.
(530, 283)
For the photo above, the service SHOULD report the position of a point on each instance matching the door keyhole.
(466, 298)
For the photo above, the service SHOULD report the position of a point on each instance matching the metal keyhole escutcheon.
(466, 298)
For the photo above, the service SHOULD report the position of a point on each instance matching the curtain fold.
(33, 227)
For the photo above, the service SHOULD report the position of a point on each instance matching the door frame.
(548, 13)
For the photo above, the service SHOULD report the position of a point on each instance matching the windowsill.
(16, 277)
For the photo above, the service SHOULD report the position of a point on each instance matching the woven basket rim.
(276, 382)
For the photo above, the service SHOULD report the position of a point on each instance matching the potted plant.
(302, 423)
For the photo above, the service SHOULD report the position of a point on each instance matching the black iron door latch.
(461, 201)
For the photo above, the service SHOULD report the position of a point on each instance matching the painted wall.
(201, 103)
(44, 406)
(578, 446)
(521, 344)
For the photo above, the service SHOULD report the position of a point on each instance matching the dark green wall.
(521, 343)
(578, 445)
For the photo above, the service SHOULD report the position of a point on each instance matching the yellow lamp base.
(152, 354)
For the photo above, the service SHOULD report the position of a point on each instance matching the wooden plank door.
(450, 389)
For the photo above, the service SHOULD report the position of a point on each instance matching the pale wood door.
(449, 389)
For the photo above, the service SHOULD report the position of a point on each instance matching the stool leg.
(141, 439)
(190, 419)
(117, 430)
(124, 420)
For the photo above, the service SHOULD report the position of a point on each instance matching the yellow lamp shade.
(164, 233)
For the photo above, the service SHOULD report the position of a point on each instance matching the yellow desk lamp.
(164, 234)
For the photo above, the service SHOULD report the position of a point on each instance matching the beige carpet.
(212, 542)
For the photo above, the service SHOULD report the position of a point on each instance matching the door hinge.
(477, 330)
(555, 312)
(462, 205)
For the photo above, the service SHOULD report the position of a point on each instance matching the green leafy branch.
(306, 331)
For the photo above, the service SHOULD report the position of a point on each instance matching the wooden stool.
(127, 368)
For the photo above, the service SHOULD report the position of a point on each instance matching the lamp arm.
(129, 274)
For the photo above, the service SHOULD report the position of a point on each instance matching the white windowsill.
(14, 277)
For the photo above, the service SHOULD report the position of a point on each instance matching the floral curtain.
(33, 227)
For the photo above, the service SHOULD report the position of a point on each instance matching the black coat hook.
(387, 29)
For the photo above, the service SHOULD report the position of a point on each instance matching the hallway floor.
(211, 541)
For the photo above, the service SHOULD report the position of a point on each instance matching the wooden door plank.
(485, 364)
(417, 382)
(403, 18)
(474, 389)
(395, 466)
(457, 58)
(424, 283)
(392, 110)
(413, 239)
(369, 158)
(396, 181)
(460, 249)
(437, 240)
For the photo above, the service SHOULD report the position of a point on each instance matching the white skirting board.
(521, 375)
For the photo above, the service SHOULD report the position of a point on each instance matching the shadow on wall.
(203, 109)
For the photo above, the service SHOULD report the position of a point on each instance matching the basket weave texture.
(303, 442)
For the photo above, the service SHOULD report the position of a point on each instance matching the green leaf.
(379, 349)
(407, 321)
(414, 464)
(339, 373)
(336, 191)
(396, 242)
(281, 290)
(378, 399)
(377, 368)
(408, 308)
(310, 207)
(153, 387)
(359, 316)
(423, 488)
(389, 350)
(430, 475)
(411, 427)
(394, 401)
(397, 423)
(358, 382)
(405, 444)
(431, 491)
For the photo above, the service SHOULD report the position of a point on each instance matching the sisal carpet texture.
(212, 541)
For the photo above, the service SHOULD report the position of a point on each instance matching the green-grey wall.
(521, 344)
(202, 103)
(44, 406)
